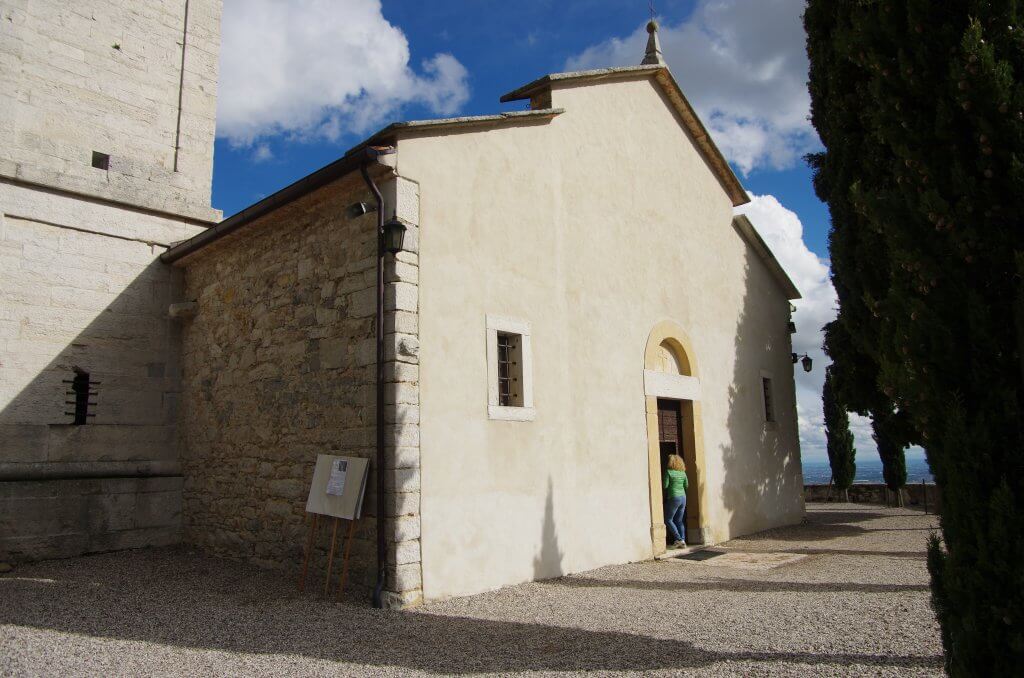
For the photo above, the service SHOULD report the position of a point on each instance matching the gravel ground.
(857, 604)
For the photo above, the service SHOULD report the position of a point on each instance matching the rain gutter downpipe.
(378, 590)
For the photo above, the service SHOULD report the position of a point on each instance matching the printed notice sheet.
(338, 486)
(336, 481)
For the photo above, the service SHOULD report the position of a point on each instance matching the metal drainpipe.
(381, 541)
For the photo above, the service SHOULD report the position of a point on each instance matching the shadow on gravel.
(832, 517)
(739, 585)
(915, 555)
(180, 599)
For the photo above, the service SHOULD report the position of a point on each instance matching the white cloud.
(743, 66)
(262, 152)
(321, 68)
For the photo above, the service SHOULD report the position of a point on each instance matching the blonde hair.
(676, 463)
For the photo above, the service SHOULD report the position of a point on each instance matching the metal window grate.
(769, 406)
(81, 389)
(508, 369)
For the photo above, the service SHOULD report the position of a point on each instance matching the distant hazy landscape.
(869, 470)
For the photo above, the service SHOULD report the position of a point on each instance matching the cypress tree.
(920, 107)
(838, 438)
(886, 431)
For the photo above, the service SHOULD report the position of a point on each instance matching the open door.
(672, 439)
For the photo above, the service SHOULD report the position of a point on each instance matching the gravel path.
(856, 604)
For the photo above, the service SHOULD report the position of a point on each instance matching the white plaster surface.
(592, 227)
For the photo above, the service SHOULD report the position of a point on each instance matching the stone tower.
(107, 112)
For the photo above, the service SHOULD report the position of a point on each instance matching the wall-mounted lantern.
(791, 326)
(805, 361)
(394, 236)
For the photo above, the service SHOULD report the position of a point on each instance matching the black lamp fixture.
(394, 236)
(805, 361)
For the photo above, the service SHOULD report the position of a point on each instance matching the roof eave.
(620, 72)
(323, 176)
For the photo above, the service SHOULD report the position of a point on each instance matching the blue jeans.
(675, 511)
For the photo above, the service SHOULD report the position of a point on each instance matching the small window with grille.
(509, 370)
(769, 405)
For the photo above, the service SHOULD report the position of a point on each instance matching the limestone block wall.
(69, 517)
(133, 79)
(280, 366)
(81, 287)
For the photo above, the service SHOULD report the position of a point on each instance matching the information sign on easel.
(337, 491)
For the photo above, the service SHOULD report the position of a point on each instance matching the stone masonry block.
(397, 271)
(402, 414)
(363, 303)
(402, 457)
(402, 479)
(401, 393)
(396, 371)
(401, 296)
(404, 553)
(402, 601)
(402, 504)
(402, 435)
(405, 528)
(402, 198)
(402, 322)
(332, 353)
(406, 577)
(402, 347)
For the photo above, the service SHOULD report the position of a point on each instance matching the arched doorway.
(672, 392)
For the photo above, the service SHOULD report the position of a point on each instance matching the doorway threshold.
(675, 553)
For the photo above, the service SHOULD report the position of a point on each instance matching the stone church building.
(573, 299)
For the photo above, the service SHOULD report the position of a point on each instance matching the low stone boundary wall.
(63, 518)
(915, 495)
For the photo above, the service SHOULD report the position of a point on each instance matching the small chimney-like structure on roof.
(653, 54)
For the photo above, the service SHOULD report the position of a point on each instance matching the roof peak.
(653, 54)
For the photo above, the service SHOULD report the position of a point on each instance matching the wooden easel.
(330, 556)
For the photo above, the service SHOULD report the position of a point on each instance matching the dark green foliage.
(920, 106)
(838, 437)
(891, 443)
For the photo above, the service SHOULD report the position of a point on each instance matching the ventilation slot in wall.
(82, 390)
(100, 160)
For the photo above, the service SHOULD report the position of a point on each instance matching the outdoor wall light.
(394, 236)
(805, 361)
(358, 209)
(791, 326)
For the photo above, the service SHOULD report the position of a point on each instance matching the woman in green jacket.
(675, 484)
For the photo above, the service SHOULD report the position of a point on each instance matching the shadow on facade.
(762, 483)
(548, 562)
(114, 482)
(123, 339)
(244, 610)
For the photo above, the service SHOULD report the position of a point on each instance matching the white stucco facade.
(592, 226)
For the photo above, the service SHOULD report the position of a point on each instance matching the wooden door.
(670, 430)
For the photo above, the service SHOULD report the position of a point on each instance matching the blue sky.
(303, 81)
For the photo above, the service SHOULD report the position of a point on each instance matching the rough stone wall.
(108, 76)
(82, 288)
(279, 367)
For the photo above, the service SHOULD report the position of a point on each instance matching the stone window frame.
(505, 325)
